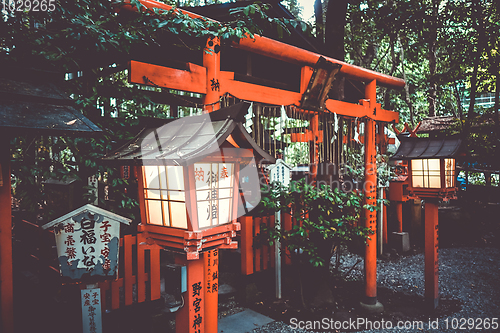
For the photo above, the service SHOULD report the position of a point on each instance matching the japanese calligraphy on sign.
(91, 310)
(197, 294)
(280, 172)
(214, 188)
(94, 184)
(212, 272)
(88, 242)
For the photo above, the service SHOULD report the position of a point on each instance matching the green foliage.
(96, 39)
(84, 33)
(379, 32)
(327, 218)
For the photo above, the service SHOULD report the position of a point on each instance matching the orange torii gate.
(214, 83)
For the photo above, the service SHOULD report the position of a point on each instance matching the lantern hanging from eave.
(431, 165)
(189, 171)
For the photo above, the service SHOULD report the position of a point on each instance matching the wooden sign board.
(93, 183)
(91, 310)
(88, 242)
(280, 172)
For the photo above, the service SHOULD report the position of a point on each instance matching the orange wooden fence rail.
(258, 258)
(139, 265)
(134, 269)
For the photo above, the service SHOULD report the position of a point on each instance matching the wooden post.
(370, 193)
(381, 226)
(211, 61)
(246, 245)
(287, 225)
(313, 152)
(91, 309)
(211, 259)
(191, 317)
(6, 280)
(431, 254)
(399, 215)
(384, 218)
(257, 251)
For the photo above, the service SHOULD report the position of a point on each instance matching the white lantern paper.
(426, 173)
(165, 195)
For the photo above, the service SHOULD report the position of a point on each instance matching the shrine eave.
(38, 108)
(424, 148)
(189, 139)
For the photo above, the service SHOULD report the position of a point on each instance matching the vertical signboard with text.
(88, 242)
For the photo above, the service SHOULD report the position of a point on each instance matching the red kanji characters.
(107, 264)
(199, 174)
(70, 241)
(105, 225)
(106, 238)
(105, 252)
(71, 252)
(69, 228)
(223, 173)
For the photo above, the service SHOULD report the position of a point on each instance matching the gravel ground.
(468, 277)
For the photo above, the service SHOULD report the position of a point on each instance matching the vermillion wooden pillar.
(431, 254)
(211, 61)
(211, 261)
(191, 317)
(6, 282)
(370, 188)
(399, 215)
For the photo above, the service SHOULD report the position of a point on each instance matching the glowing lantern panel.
(214, 193)
(165, 196)
(426, 173)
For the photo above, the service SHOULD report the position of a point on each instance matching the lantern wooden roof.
(190, 139)
(419, 148)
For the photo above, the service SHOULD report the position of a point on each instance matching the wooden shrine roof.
(417, 148)
(189, 139)
(434, 124)
(40, 108)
